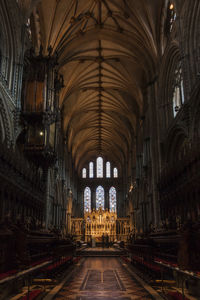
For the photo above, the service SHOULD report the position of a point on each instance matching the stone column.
(68, 223)
(107, 199)
(155, 150)
(93, 198)
(46, 182)
(132, 221)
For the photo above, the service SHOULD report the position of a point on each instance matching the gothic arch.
(163, 36)
(176, 137)
(98, 62)
(15, 29)
(6, 124)
(170, 59)
(2, 129)
(11, 37)
(195, 111)
(11, 51)
(191, 44)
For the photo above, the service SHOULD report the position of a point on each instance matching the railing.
(25, 272)
(48, 270)
(185, 274)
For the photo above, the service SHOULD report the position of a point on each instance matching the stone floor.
(111, 249)
(101, 278)
(100, 251)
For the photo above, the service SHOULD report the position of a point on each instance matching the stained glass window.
(115, 172)
(91, 168)
(99, 167)
(172, 14)
(87, 199)
(112, 199)
(100, 197)
(170, 18)
(178, 92)
(84, 173)
(108, 169)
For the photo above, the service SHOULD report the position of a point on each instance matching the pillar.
(93, 198)
(107, 199)
(68, 223)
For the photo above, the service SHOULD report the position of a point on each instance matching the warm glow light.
(171, 6)
(131, 188)
(41, 133)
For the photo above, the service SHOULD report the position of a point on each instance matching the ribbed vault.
(107, 52)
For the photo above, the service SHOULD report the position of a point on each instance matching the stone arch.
(15, 28)
(7, 47)
(195, 126)
(163, 33)
(6, 126)
(148, 58)
(170, 59)
(10, 47)
(2, 129)
(177, 136)
(191, 44)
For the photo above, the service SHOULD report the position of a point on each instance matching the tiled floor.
(99, 278)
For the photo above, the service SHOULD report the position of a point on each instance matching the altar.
(99, 224)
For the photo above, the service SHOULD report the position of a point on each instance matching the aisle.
(100, 278)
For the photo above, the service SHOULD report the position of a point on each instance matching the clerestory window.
(84, 173)
(178, 91)
(108, 173)
(91, 169)
(115, 172)
(99, 167)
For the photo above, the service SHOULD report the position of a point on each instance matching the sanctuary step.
(100, 251)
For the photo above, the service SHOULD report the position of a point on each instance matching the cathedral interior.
(99, 149)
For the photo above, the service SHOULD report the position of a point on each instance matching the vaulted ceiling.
(108, 52)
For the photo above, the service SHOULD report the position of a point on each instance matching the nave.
(99, 146)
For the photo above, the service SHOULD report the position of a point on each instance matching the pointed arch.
(6, 124)
(99, 167)
(108, 171)
(91, 169)
(100, 199)
(84, 173)
(87, 199)
(113, 199)
(115, 172)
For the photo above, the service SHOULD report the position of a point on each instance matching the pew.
(22, 250)
(168, 252)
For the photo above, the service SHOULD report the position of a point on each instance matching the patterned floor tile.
(100, 278)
